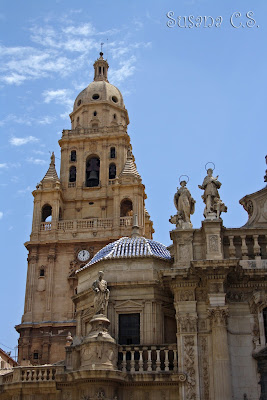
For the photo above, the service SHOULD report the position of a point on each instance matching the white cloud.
(26, 190)
(36, 161)
(59, 96)
(125, 70)
(46, 120)
(1, 214)
(21, 141)
(3, 165)
(84, 30)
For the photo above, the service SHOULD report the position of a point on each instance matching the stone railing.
(32, 374)
(126, 221)
(135, 359)
(93, 131)
(45, 226)
(238, 243)
(78, 224)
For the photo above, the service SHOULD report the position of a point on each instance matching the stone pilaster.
(186, 318)
(220, 353)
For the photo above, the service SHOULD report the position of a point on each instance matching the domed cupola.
(100, 91)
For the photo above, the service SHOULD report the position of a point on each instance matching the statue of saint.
(101, 295)
(184, 202)
(211, 197)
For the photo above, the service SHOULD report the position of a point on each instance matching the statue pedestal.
(99, 350)
(211, 216)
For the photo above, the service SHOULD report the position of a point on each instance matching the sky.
(194, 94)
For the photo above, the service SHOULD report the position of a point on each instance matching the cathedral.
(112, 314)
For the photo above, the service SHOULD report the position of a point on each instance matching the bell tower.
(74, 216)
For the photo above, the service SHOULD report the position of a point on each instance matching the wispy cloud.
(3, 165)
(53, 46)
(59, 96)
(15, 141)
(27, 120)
(1, 214)
(36, 161)
(126, 69)
(24, 191)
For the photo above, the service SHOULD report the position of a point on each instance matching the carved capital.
(218, 316)
(186, 323)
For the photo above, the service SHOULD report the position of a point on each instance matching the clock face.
(83, 255)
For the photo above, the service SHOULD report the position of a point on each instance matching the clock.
(83, 255)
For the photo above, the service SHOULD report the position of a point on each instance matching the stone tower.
(89, 206)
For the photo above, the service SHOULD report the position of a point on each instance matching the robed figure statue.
(101, 295)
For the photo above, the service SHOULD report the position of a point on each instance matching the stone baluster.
(232, 253)
(175, 361)
(244, 248)
(256, 248)
(158, 360)
(141, 361)
(123, 361)
(149, 361)
(166, 360)
(132, 362)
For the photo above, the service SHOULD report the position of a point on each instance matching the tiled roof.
(133, 247)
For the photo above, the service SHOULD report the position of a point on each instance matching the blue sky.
(193, 95)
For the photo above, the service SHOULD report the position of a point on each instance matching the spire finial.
(101, 52)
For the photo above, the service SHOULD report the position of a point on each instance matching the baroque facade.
(111, 313)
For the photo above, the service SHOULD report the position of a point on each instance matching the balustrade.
(134, 359)
(126, 221)
(245, 246)
(69, 225)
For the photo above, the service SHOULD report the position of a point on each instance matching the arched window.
(72, 174)
(126, 208)
(112, 171)
(92, 172)
(112, 152)
(73, 155)
(264, 314)
(46, 213)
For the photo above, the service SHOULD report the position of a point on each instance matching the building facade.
(112, 314)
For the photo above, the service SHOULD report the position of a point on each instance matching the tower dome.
(100, 90)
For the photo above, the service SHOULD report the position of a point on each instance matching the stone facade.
(186, 323)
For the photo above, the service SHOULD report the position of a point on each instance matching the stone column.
(220, 353)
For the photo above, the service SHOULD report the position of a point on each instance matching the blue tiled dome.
(127, 247)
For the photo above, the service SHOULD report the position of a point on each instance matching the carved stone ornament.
(189, 363)
(187, 323)
(186, 295)
(218, 316)
(214, 243)
(203, 340)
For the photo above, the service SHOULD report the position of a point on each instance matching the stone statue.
(214, 205)
(185, 206)
(101, 295)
